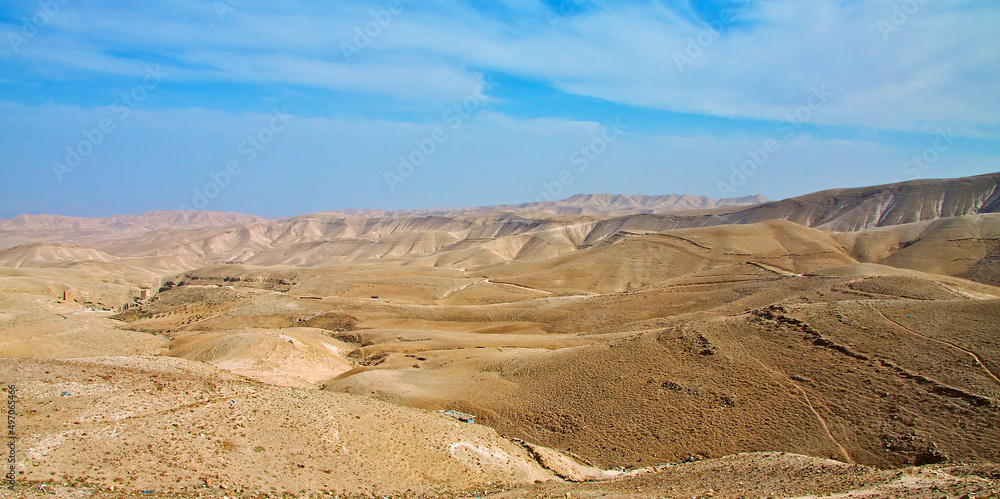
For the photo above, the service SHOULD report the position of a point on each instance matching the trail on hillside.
(975, 357)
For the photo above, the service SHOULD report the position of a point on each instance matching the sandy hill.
(965, 246)
(51, 254)
(134, 420)
(838, 344)
(859, 363)
(843, 209)
(882, 205)
(633, 260)
(491, 235)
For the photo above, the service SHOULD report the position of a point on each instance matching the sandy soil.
(602, 355)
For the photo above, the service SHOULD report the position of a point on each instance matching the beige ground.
(157, 423)
(596, 351)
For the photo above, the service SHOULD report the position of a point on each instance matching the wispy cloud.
(748, 64)
(939, 66)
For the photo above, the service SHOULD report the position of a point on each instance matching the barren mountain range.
(192, 239)
(838, 344)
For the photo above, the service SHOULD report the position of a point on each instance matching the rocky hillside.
(481, 236)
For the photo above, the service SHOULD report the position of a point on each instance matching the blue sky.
(303, 106)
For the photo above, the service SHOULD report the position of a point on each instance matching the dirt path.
(822, 422)
(972, 295)
(808, 403)
(518, 286)
(463, 288)
(486, 280)
(777, 270)
(979, 362)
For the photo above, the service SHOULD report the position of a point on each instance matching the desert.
(784, 348)
(506, 249)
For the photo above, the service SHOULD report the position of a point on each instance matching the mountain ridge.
(487, 235)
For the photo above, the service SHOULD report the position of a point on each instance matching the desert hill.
(633, 260)
(964, 246)
(133, 420)
(700, 365)
(842, 210)
(489, 236)
(878, 206)
(87, 231)
(51, 254)
(486, 235)
(583, 204)
(153, 220)
(76, 230)
(841, 343)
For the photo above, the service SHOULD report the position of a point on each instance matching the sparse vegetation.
(750, 353)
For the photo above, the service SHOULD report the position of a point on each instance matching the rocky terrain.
(838, 344)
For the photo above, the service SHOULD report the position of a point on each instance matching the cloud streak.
(936, 68)
(564, 71)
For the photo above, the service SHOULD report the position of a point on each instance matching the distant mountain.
(153, 220)
(51, 254)
(25, 229)
(465, 238)
(883, 205)
(582, 204)
(84, 231)
(839, 210)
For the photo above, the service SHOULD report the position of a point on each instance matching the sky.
(285, 108)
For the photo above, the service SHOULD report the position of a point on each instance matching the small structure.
(461, 416)
(144, 293)
(68, 295)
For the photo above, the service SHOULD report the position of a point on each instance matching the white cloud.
(156, 158)
(938, 69)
